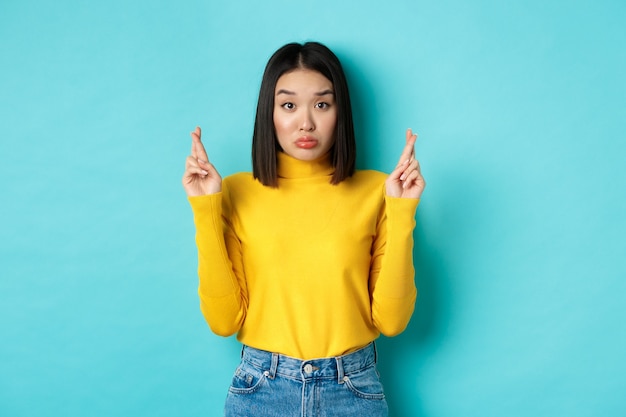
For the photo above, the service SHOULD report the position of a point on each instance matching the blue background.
(521, 111)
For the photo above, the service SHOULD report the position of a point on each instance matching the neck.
(290, 167)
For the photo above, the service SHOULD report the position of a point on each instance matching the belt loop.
(243, 347)
(375, 353)
(340, 372)
(274, 365)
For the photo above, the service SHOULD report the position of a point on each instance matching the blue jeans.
(270, 384)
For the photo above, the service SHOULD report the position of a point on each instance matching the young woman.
(307, 260)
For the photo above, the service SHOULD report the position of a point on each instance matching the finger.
(193, 166)
(210, 168)
(192, 161)
(195, 140)
(411, 139)
(193, 171)
(410, 179)
(413, 165)
(408, 152)
(198, 150)
(398, 171)
(193, 134)
(197, 165)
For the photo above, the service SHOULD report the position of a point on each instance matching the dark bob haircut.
(311, 56)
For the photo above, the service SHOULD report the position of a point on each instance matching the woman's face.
(305, 114)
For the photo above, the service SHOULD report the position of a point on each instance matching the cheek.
(281, 128)
(281, 124)
(331, 124)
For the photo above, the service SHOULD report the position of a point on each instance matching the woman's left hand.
(406, 180)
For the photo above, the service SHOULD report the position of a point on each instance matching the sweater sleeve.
(222, 289)
(392, 273)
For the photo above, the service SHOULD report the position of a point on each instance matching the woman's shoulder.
(369, 176)
(240, 181)
(239, 177)
(366, 181)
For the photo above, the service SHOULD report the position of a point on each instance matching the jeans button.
(308, 368)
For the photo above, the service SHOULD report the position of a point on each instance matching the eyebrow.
(291, 93)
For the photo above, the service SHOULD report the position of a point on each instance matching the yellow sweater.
(307, 269)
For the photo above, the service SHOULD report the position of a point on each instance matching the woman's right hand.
(200, 177)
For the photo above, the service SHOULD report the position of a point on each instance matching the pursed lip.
(306, 142)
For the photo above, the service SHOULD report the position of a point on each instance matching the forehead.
(303, 80)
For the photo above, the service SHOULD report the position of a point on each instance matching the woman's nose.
(307, 124)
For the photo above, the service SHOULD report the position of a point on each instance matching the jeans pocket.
(247, 379)
(365, 384)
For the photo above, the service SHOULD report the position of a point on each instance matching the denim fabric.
(269, 384)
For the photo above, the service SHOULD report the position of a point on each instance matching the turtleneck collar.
(289, 167)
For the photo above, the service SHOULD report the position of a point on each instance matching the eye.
(322, 105)
(288, 106)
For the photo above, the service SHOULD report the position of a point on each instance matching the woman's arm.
(223, 297)
(392, 274)
(222, 289)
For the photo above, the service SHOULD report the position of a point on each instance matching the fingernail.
(204, 172)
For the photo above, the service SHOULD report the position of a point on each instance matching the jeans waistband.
(334, 367)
